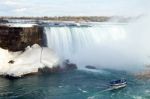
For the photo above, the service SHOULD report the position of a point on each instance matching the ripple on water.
(74, 85)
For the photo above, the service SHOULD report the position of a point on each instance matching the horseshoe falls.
(105, 45)
(111, 50)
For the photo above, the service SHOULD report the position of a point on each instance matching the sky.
(74, 7)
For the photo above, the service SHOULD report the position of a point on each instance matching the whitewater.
(105, 45)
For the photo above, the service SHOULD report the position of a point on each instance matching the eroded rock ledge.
(18, 38)
(23, 52)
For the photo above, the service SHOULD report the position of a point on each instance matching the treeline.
(81, 18)
(64, 18)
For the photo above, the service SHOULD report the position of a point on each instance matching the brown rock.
(18, 38)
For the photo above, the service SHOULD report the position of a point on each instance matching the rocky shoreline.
(24, 46)
(45, 70)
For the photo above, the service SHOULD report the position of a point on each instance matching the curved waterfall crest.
(71, 39)
(101, 45)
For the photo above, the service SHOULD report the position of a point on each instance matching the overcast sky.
(74, 7)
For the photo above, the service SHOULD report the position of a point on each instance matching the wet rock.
(90, 67)
(3, 21)
(18, 38)
(69, 66)
(11, 77)
(50, 70)
(11, 61)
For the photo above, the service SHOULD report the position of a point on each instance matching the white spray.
(107, 45)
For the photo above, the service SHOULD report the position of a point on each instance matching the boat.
(118, 84)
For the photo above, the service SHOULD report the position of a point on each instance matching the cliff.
(18, 38)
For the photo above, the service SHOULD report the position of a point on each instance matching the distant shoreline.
(72, 18)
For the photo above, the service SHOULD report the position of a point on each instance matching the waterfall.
(103, 44)
(69, 40)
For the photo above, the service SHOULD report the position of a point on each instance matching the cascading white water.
(102, 45)
(69, 40)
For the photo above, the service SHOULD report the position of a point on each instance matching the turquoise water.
(74, 85)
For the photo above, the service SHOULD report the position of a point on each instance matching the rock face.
(18, 38)
(22, 52)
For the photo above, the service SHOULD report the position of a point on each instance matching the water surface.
(74, 85)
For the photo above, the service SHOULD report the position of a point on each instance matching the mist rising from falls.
(104, 45)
